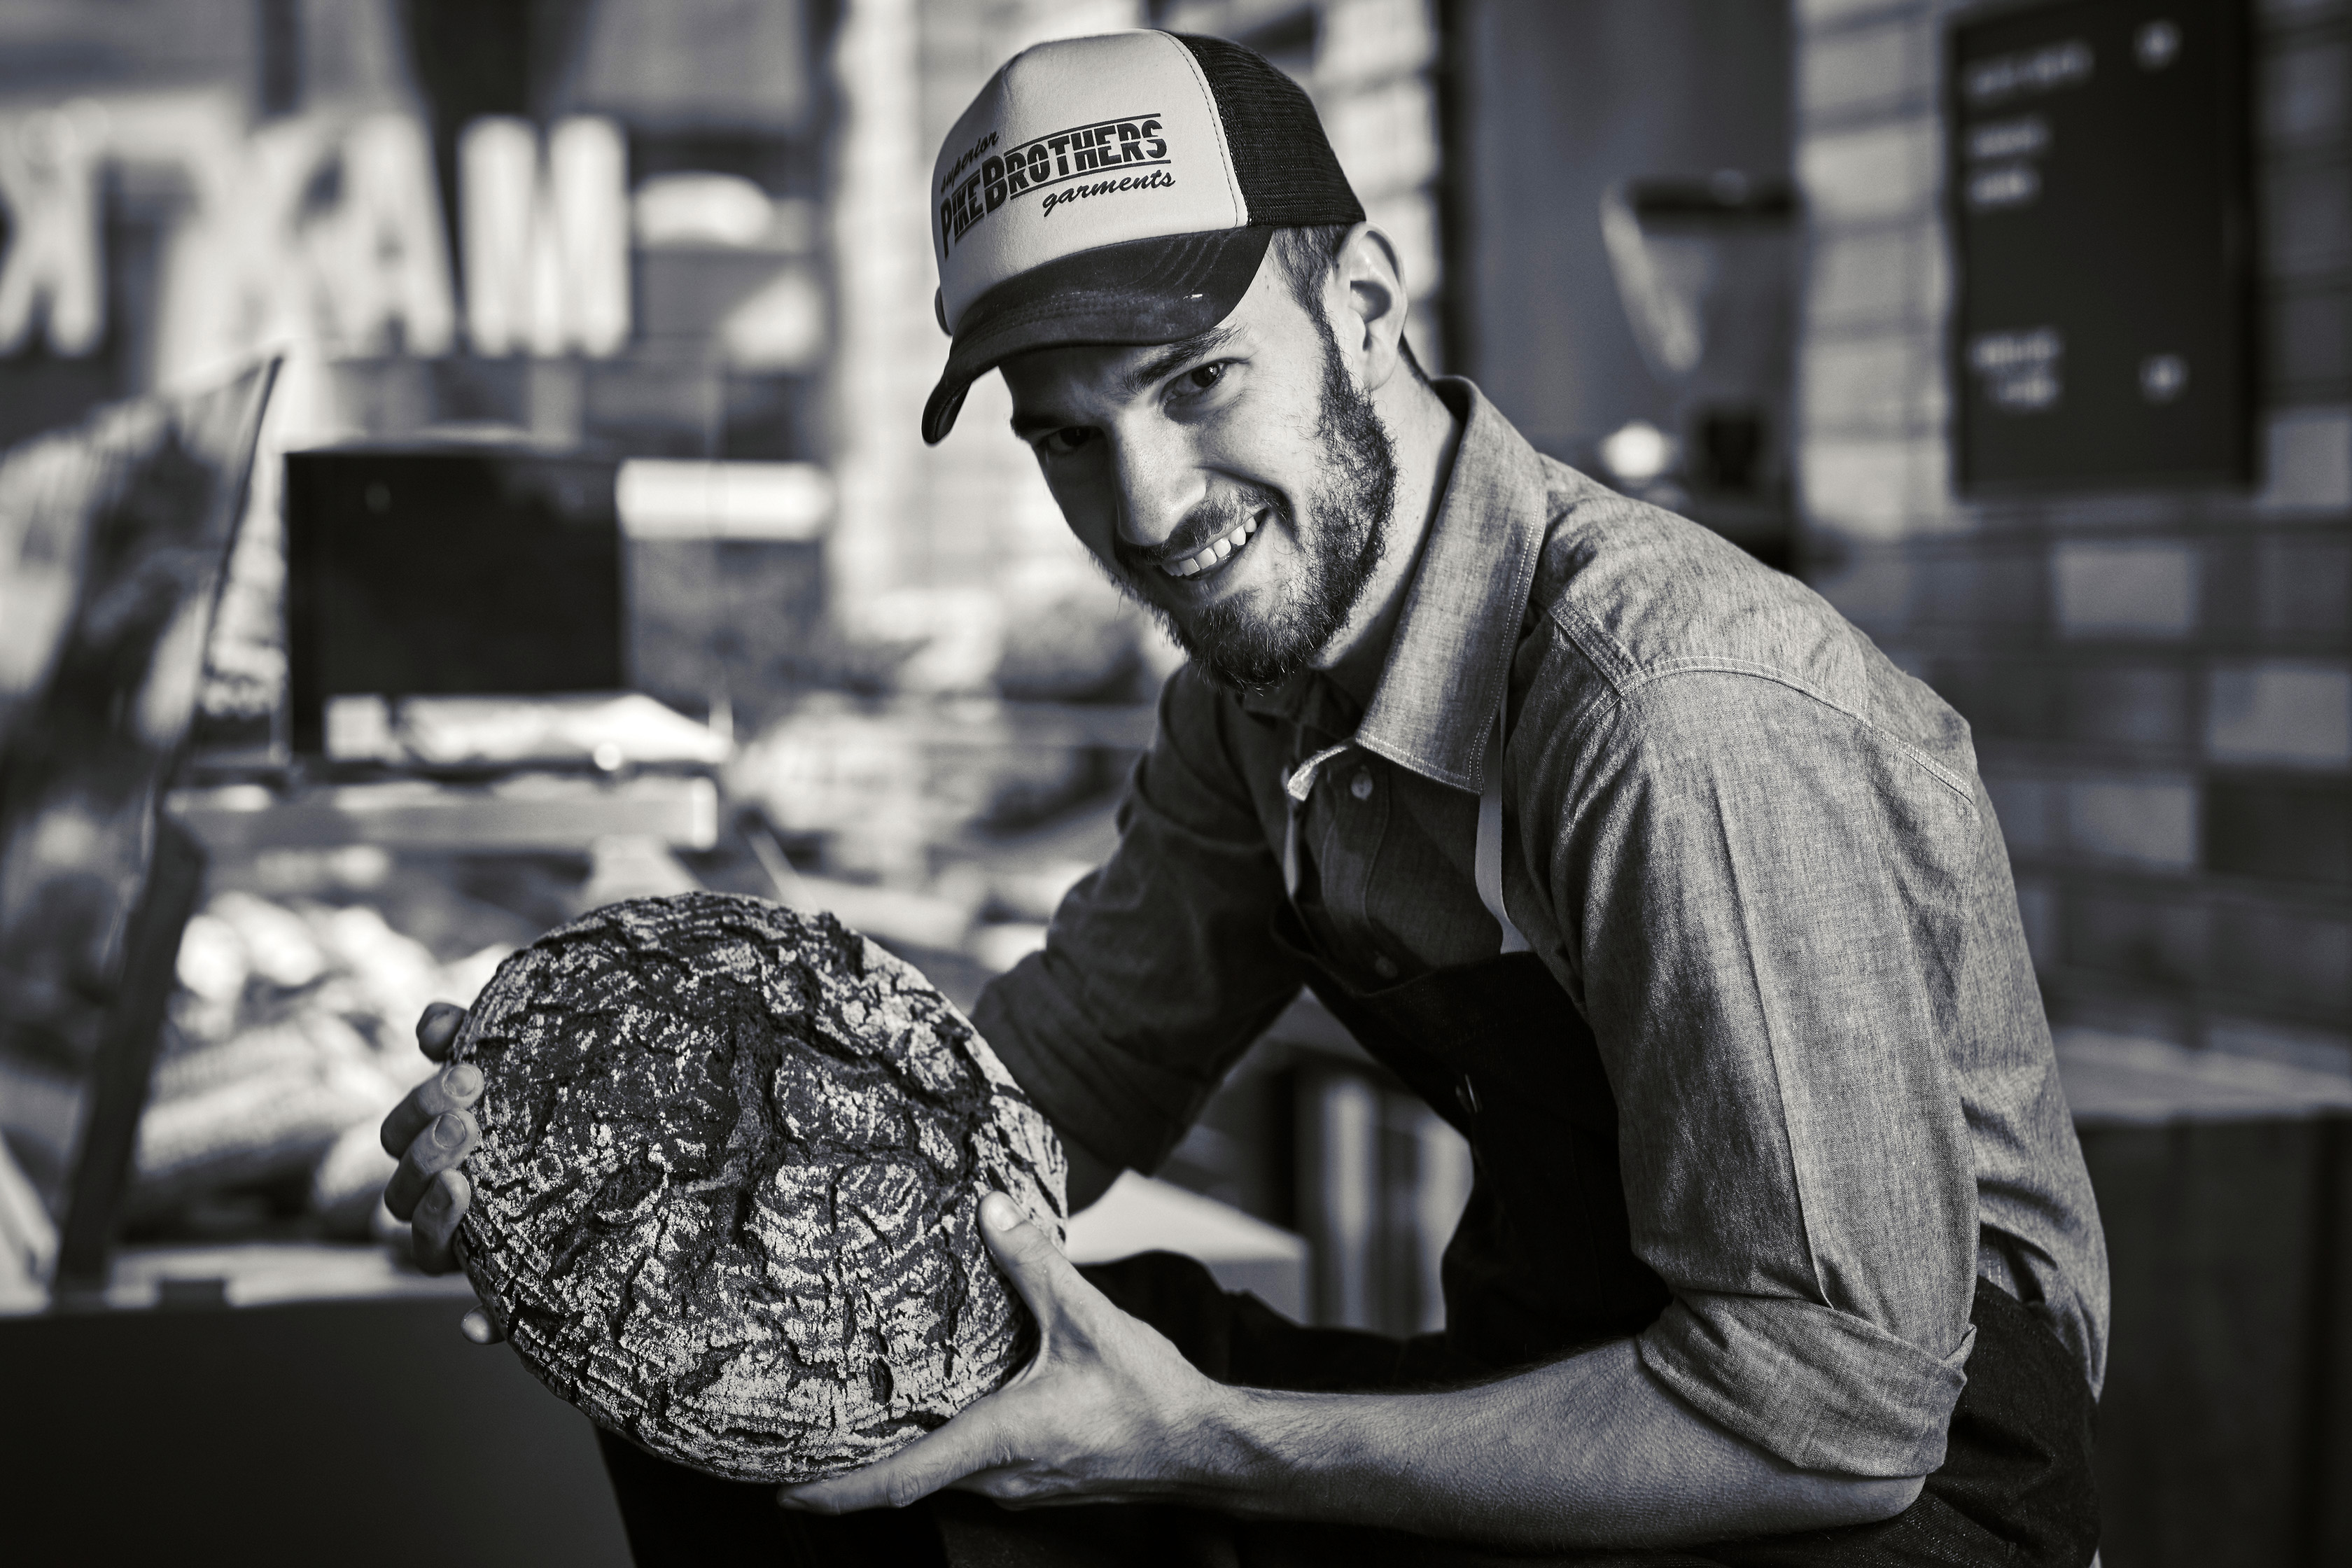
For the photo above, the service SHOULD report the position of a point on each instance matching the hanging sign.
(2098, 185)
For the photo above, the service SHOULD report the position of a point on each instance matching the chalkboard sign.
(2097, 182)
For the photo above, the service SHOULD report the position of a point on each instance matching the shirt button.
(1385, 966)
(1361, 787)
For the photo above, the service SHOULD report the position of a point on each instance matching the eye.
(1063, 442)
(1201, 378)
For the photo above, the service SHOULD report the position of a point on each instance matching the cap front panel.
(1075, 144)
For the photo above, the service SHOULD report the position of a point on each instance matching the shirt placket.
(1353, 802)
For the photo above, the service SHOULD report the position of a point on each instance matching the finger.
(437, 1214)
(483, 1325)
(1045, 1278)
(454, 1087)
(1021, 1485)
(440, 1147)
(966, 1445)
(436, 1031)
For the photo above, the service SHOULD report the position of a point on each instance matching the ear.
(1368, 303)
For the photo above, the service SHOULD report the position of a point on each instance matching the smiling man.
(1642, 866)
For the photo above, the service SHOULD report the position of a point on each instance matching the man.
(1634, 860)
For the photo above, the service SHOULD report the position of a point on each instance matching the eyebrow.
(1138, 380)
(1173, 357)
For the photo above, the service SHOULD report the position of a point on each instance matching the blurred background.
(459, 465)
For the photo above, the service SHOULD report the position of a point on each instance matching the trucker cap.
(1119, 189)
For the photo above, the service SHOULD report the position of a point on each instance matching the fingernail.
(448, 1131)
(463, 1080)
(998, 1212)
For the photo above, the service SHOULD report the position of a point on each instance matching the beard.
(1342, 527)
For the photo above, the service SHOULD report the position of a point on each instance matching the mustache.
(1209, 522)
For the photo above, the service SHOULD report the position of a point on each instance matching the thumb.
(1027, 1255)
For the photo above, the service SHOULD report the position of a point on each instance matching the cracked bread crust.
(727, 1198)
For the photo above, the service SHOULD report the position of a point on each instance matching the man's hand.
(431, 1131)
(1107, 1411)
(1589, 1451)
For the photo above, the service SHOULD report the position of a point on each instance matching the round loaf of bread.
(727, 1198)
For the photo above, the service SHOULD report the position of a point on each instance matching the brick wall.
(971, 514)
(2157, 682)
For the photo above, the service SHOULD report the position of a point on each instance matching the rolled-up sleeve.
(1158, 970)
(1760, 904)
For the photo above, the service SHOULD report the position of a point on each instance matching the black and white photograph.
(1176, 783)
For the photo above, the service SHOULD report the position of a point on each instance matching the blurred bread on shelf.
(290, 1036)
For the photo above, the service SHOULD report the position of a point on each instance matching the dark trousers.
(2014, 1489)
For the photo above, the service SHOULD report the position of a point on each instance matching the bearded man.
(1634, 860)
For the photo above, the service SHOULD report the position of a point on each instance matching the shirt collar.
(1451, 658)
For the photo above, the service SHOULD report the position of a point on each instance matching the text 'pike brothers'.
(1047, 161)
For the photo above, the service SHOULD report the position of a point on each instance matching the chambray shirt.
(1755, 855)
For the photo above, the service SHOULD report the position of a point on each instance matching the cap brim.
(1143, 292)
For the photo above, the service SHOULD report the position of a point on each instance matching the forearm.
(1588, 1451)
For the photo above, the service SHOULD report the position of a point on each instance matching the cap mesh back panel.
(1288, 171)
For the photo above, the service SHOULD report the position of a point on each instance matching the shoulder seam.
(1622, 687)
(1607, 654)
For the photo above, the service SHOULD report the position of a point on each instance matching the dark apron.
(1543, 1259)
(1542, 1262)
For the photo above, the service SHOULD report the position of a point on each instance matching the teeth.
(1214, 553)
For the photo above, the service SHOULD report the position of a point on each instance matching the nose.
(1157, 485)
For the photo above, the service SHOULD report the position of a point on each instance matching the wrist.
(1239, 1456)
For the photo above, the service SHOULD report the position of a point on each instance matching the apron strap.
(1487, 864)
(1488, 861)
(1290, 849)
